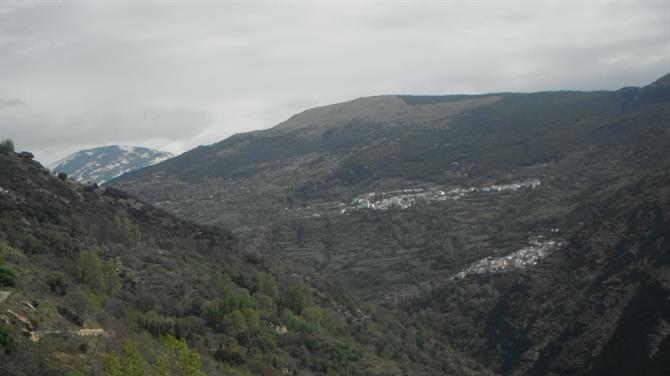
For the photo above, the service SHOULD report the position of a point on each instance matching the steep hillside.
(528, 229)
(615, 272)
(289, 188)
(598, 305)
(387, 143)
(107, 162)
(88, 272)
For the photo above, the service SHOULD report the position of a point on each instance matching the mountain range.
(103, 163)
(94, 281)
(504, 233)
(395, 197)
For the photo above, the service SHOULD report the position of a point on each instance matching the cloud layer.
(173, 75)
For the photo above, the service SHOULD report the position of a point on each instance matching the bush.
(7, 277)
(62, 176)
(7, 342)
(31, 244)
(6, 146)
(58, 284)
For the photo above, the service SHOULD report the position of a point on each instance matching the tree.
(110, 279)
(58, 283)
(79, 303)
(177, 360)
(252, 318)
(267, 284)
(264, 302)
(297, 297)
(89, 270)
(294, 322)
(129, 232)
(129, 363)
(237, 322)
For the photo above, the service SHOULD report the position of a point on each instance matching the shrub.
(7, 342)
(6, 146)
(58, 284)
(31, 244)
(7, 277)
(62, 176)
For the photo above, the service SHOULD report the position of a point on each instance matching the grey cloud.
(57, 136)
(11, 103)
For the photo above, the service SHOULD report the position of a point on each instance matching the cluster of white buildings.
(403, 199)
(531, 183)
(523, 258)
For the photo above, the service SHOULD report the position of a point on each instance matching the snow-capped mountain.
(99, 165)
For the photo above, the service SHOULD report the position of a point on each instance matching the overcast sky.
(172, 75)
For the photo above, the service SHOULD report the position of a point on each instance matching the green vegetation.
(175, 359)
(128, 363)
(7, 274)
(89, 270)
(7, 277)
(31, 244)
(128, 232)
(58, 283)
(95, 258)
(297, 298)
(284, 190)
(97, 275)
(102, 275)
(7, 341)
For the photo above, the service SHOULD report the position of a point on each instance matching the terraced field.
(377, 253)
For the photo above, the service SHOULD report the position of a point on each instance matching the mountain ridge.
(525, 236)
(100, 164)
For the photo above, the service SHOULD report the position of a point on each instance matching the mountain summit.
(101, 164)
(385, 109)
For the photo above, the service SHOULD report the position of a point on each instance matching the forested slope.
(88, 272)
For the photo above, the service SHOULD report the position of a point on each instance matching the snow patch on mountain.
(102, 164)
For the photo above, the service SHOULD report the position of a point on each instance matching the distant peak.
(107, 162)
(385, 109)
(663, 82)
